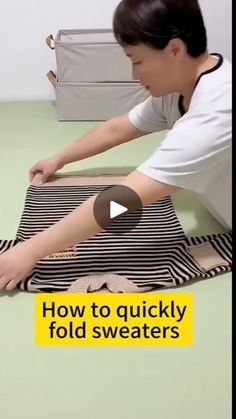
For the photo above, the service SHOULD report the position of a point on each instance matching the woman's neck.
(193, 69)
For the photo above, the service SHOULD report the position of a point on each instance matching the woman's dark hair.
(156, 22)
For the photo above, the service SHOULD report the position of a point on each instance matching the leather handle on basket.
(49, 40)
(52, 78)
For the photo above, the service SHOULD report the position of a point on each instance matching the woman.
(190, 95)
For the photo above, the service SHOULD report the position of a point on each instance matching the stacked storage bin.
(94, 77)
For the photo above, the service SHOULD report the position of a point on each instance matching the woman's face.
(155, 69)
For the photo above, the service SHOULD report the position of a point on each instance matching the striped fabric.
(154, 255)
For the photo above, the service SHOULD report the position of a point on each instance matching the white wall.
(24, 25)
(218, 20)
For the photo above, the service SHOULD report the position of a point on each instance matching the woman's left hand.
(15, 265)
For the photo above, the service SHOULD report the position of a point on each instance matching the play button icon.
(117, 209)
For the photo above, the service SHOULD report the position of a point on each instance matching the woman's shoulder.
(214, 87)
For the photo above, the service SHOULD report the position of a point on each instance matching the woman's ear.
(177, 47)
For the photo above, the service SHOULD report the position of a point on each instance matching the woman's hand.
(15, 265)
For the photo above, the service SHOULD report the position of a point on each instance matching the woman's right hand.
(46, 168)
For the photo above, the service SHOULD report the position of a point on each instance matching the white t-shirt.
(196, 152)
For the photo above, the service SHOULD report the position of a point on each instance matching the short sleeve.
(148, 116)
(193, 151)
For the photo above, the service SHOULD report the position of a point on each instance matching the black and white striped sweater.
(154, 255)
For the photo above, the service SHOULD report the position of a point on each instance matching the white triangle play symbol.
(116, 209)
